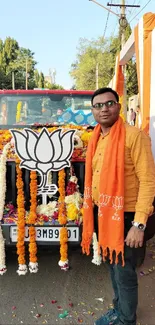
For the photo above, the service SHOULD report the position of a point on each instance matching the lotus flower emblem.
(45, 151)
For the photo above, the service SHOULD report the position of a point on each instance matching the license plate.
(46, 234)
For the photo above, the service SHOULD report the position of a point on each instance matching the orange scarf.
(111, 195)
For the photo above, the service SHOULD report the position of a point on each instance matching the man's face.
(108, 114)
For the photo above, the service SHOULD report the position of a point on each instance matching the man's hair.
(103, 91)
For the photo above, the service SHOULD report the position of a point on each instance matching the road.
(40, 298)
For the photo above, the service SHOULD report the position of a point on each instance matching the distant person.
(132, 118)
(138, 123)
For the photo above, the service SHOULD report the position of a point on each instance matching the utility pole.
(97, 76)
(122, 20)
(123, 17)
(26, 86)
(13, 80)
(123, 23)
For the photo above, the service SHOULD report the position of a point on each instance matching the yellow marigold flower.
(72, 212)
(85, 137)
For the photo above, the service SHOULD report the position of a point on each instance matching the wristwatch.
(139, 225)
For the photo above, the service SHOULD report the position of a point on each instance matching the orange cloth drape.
(143, 49)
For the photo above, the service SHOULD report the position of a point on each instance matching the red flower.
(71, 188)
(55, 215)
(46, 219)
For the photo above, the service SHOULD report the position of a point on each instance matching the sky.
(52, 28)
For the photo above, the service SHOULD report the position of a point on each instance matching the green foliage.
(131, 78)
(102, 52)
(89, 54)
(13, 60)
(52, 86)
(41, 80)
(36, 78)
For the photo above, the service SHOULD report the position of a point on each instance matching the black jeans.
(124, 279)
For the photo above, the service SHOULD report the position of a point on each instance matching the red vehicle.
(34, 109)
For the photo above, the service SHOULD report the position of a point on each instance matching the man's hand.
(135, 237)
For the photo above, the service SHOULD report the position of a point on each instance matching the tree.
(13, 61)
(36, 77)
(2, 79)
(24, 57)
(102, 52)
(41, 80)
(131, 78)
(131, 70)
(8, 51)
(52, 86)
(91, 53)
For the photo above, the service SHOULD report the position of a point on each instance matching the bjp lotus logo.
(44, 152)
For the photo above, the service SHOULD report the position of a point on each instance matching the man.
(138, 122)
(132, 117)
(119, 191)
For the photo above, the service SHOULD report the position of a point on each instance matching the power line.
(117, 9)
(116, 26)
(115, 23)
(106, 24)
(140, 11)
(132, 11)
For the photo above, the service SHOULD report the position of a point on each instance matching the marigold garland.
(5, 137)
(3, 160)
(64, 246)
(62, 218)
(33, 265)
(62, 207)
(21, 222)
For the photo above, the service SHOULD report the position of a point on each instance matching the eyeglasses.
(107, 104)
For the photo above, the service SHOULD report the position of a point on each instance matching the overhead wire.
(106, 24)
(116, 23)
(140, 11)
(133, 10)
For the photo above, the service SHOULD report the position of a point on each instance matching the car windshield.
(25, 109)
